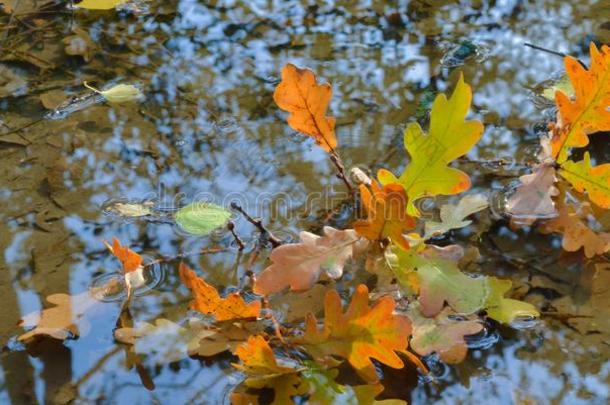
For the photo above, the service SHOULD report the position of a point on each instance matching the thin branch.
(231, 228)
(275, 242)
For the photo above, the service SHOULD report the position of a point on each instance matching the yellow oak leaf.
(360, 334)
(208, 301)
(588, 112)
(450, 137)
(98, 4)
(594, 179)
(307, 101)
(386, 214)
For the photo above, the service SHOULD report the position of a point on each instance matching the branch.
(275, 242)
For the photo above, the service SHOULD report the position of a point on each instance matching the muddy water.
(208, 129)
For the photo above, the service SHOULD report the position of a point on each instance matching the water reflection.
(209, 125)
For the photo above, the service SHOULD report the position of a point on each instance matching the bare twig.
(275, 242)
(336, 159)
(539, 48)
(231, 228)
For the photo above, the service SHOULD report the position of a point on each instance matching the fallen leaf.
(453, 216)
(119, 94)
(299, 265)
(386, 214)
(132, 265)
(506, 310)
(98, 4)
(53, 99)
(202, 218)
(307, 102)
(360, 334)
(441, 334)
(11, 84)
(208, 301)
(594, 179)
(442, 281)
(295, 306)
(450, 137)
(240, 398)
(80, 44)
(572, 222)
(533, 199)
(262, 370)
(587, 112)
(563, 85)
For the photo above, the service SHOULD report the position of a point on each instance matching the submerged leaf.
(208, 301)
(588, 112)
(202, 218)
(299, 265)
(441, 334)
(450, 137)
(386, 214)
(594, 179)
(307, 102)
(453, 216)
(360, 334)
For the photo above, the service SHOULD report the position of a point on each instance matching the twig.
(231, 228)
(336, 159)
(275, 242)
(539, 48)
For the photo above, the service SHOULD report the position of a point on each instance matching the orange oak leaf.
(572, 222)
(588, 112)
(307, 101)
(131, 260)
(208, 301)
(299, 265)
(360, 334)
(262, 370)
(386, 214)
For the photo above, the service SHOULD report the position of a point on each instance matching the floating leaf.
(453, 216)
(386, 214)
(132, 265)
(563, 85)
(119, 94)
(98, 4)
(533, 198)
(360, 334)
(307, 102)
(80, 44)
(11, 84)
(506, 310)
(450, 137)
(594, 179)
(299, 265)
(572, 222)
(442, 281)
(260, 366)
(588, 112)
(202, 218)
(208, 301)
(441, 334)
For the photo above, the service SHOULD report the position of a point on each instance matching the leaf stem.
(336, 159)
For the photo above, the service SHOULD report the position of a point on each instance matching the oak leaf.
(360, 334)
(132, 265)
(98, 4)
(441, 334)
(594, 179)
(588, 112)
(506, 310)
(533, 199)
(450, 137)
(386, 214)
(207, 300)
(572, 222)
(262, 370)
(299, 265)
(307, 101)
(454, 216)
